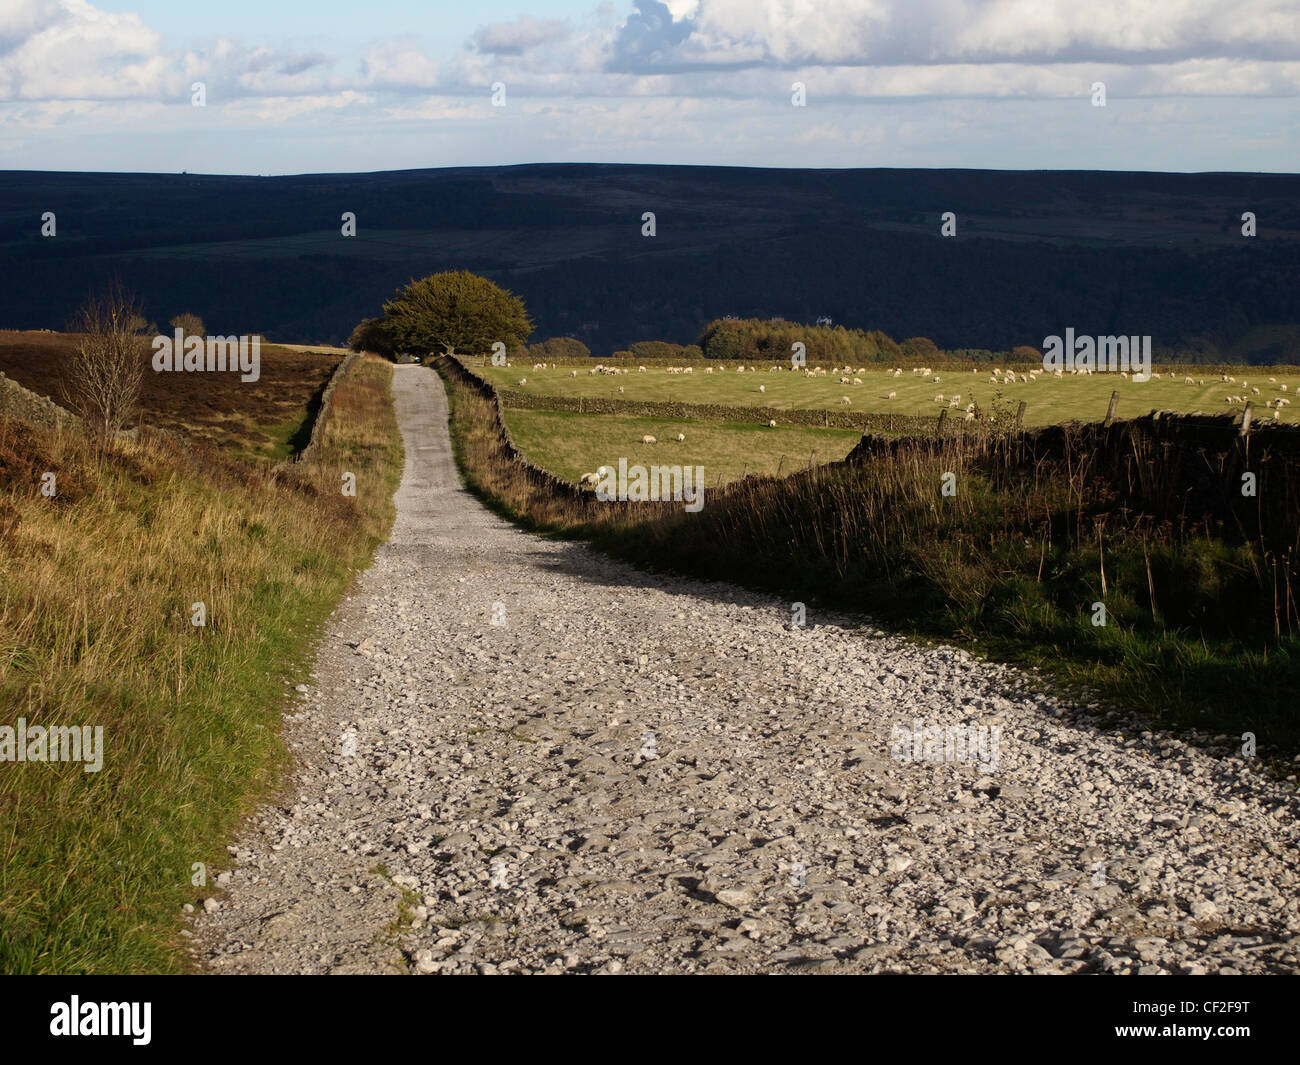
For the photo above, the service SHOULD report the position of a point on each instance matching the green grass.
(95, 630)
(1047, 400)
(570, 444)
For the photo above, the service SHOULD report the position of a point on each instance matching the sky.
(290, 87)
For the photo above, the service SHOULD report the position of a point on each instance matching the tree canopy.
(372, 334)
(455, 311)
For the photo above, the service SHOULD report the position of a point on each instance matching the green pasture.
(1047, 399)
(570, 444)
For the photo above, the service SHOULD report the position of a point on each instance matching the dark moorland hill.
(1035, 252)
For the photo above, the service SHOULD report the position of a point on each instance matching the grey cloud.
(515, 38)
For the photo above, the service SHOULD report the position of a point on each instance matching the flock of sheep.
(849, 375)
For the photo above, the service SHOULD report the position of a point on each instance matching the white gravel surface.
(644, 774)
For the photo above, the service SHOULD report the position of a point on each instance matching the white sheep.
(681, 437)
(892, 395)
(573, 373)
(939, 398)
(844, 380)
(649, 440)
(708, 369)
(845, 400)
(762, 388)
(640, 369)
(620, 388)
(772, 424)
(523, 380)
(589, 480)
(955, 401)
(1255, 390)
(857, 380)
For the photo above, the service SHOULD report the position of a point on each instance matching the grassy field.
(265, 419)
(97, 594)
(570, 444)
(1047, 400)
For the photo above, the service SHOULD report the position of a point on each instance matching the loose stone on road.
(634, 773)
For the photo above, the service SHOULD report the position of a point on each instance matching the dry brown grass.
(96, 592)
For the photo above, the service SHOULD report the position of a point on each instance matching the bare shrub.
(108, 366)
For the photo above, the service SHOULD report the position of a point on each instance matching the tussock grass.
(96, 590)
(1202, 627)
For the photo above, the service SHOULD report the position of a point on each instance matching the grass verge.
(97, 594)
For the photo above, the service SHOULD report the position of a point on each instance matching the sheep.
(1188, 381)
(970, 415)
(857, 380)
(620, 388)
(772, 424)
(573, 373)
(846, 401)
(640, 369)
(681, 437)
(589, 480)
(1283, 387)
(523, 380)
(689, 369)
(993, 380)
(762, 388)
(1272, 380)
(892, 395)
(939, 398)
(1255, 390)
(708, 369)
(649, 440)
(955, 401)
(844, 380)
(774, 369)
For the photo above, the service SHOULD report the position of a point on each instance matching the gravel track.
(646, 774)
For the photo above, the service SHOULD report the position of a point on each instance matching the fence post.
(1246, 417)
(1020, 413)
(943, 414)
(1110, 411)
